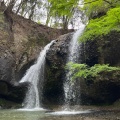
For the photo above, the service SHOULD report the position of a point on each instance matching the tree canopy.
(62, 13)
(55, 13)
(63, 10)
(104, 17)
(103, 25)
(99, 7)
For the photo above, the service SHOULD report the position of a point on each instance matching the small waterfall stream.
(35, 76)
(72, 90)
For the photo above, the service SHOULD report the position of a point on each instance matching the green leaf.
(84, 71)
(103, 25)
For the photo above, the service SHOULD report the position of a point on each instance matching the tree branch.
(95, 1)
(108, 2)
(89, 2)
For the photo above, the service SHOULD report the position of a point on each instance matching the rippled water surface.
(21, 115)
(36, 114)
(59, 115)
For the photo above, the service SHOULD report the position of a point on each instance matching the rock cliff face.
(103, 89)
(21, 41)
(103, 50)
(55, 70)
(12, 95)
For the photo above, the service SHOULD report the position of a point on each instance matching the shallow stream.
(97, 113)
(19, 114)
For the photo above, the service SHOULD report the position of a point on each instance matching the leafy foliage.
(63, 10)
(103, 25)
(95, 7)
(62, 7)
(84, 71)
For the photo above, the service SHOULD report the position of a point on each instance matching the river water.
(89, 114)
(20, 115)
(31, 115)
(36, 114)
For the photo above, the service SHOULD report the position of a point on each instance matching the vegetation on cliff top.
(103, 25)
(104, 17)
(98, 8)
(62, 13)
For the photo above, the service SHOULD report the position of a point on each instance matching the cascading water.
(35, 76)
(71, 90)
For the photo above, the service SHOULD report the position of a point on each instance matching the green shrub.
(84, 71)
(103, 25)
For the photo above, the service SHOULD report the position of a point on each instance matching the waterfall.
(35, 76)
(72, 90)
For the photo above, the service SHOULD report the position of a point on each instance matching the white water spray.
(35, 76)
(71, 91)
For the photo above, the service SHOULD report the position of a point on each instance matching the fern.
(84, 71)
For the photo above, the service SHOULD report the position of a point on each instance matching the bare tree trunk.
(48, 17)
(19, 7)
(2, 6)
(65, 23)
(32, 11)
(11, 5)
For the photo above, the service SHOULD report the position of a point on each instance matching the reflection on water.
(94, 113)
(21, 115)
(72, 112)
(36, 115)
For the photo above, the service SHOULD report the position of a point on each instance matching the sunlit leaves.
(84, 71)
(103, 25)
(96, 7)
(63, 10)
(63, 7)
(92, 8)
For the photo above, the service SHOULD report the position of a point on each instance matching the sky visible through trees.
(58, 14)
(61, 13)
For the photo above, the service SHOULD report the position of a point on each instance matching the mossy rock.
(6, 104)
(103, 89)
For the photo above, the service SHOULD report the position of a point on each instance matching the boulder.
(55, 70)
(103, 89)
(12, 93)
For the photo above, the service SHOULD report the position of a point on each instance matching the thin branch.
(89, 2)
(95, 1)
(107, 1)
